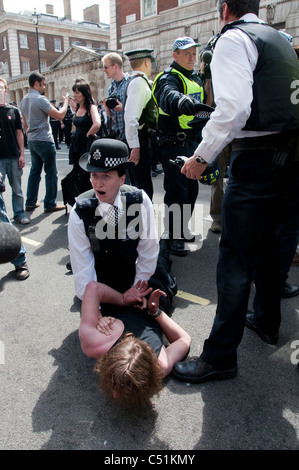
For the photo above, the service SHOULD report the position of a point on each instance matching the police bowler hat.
(140, 54)
(105, 155)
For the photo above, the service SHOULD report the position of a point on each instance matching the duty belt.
(269, 141)
(179, 137)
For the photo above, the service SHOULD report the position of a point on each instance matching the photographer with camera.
(113, 68)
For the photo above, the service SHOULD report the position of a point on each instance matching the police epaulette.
(133, 197)
(87, 204)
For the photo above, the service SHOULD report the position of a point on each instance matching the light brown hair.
(131, 372)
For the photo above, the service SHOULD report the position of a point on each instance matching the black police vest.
(115, 257)
(272, 108)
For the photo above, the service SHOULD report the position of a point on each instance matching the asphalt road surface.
(49, 396)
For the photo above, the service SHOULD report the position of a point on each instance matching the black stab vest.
(277, 69)
(115, 258)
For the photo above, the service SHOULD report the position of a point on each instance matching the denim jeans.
(43, 154)
(21, 258)
(10, 167)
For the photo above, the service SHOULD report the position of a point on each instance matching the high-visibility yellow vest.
(190, 88)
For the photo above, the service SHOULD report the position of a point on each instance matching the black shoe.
(197, 371)
(157, 171)
(22, 272)
(251, 324)
(69, 266)
(178, 248)
(288, 290)
(31, 208)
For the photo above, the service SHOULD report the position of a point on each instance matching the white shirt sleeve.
(138, 94)
(82, 258)
(232, 67)
(148, 246)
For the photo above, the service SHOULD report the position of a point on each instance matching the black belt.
(269, 141)
(179, 136)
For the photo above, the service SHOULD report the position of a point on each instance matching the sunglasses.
(107, 66)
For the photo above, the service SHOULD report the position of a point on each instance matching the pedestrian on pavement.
(86, 120)
(253, 69)
(36, 110)
(12, 158)
(20, 262)
(55, 126)
(128, 343)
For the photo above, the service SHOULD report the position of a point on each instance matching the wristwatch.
(157, 314)
(200, 160)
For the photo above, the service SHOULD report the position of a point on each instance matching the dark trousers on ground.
(257, 194)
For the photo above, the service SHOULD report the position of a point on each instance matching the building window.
(149, 8)
(25, 66)
(41, 43)
(43, 65)
(23, 41)
(186, 1)
(89, 45)
(57, 45)
(4, 41)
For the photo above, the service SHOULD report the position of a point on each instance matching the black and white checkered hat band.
(139, 55)
(111, 162)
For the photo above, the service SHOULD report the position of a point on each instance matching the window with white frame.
(57, 45)
(41, 43)
(149, 8)
(23, 41)
(182, 2)
(25, 66)
(43, 65)
(4, 40)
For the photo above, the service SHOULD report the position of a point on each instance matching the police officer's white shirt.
(82, 258)
(234, 60)
(138, 95)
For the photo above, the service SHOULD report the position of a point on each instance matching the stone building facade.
(133, 24)
(59, 40)
(157, 23)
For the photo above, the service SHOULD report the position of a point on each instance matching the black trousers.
(141, 174)
(257, 195)
(179, 190)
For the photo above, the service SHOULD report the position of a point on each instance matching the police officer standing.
(139, 115)
(254, 70)
(178, 93)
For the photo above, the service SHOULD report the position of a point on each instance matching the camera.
(111, 101)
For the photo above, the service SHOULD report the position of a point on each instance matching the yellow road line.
(30, 242)
(192, 298)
